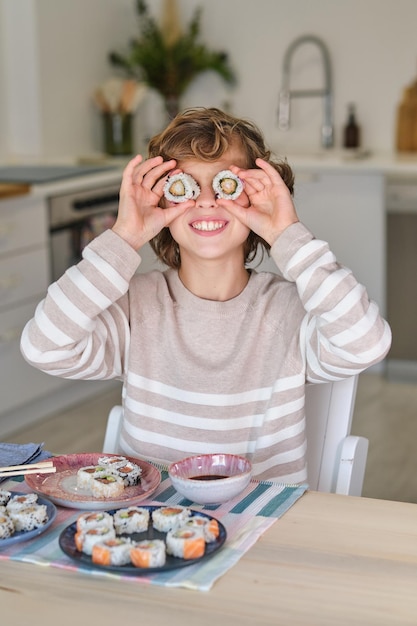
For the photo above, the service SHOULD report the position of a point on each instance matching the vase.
(118, 138)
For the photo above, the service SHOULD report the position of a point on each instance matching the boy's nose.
(206, 198)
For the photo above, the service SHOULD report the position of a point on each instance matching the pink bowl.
(210, 478)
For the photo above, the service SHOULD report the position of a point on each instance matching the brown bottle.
(352, 132)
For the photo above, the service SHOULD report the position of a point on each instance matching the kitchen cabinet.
(26, 394)
(346, 209)
(23, 280)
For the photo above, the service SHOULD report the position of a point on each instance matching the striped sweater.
(205, 376)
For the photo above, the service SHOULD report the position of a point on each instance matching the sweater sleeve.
(81, 328)
(343, 332)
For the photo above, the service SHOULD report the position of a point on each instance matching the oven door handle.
(95, 201)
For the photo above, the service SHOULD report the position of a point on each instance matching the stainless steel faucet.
(327, 135)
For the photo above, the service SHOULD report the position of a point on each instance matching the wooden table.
(330, 560)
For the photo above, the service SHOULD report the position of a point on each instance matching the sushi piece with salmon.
(94, 519)
(148, 553)
(169, 517)
(86, 540)
(133, 519)
(107, 485)
(114, 551)
(208, 526)
(185, 543)
(130, 473)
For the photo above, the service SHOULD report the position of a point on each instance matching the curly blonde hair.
(205, 134)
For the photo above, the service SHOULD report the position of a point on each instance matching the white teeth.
(208, 225)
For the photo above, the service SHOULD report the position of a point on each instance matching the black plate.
(67, 545)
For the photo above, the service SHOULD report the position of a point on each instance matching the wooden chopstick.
(44, 467)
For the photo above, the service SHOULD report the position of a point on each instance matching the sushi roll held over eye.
(227, 185)
(180, 188)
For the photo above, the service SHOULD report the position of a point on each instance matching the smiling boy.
(214, 357)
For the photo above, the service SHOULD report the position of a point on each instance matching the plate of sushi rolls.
(23, 516)
(98, 481)
(142, 539)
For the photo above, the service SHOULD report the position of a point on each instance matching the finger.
(159, 172)
(159, 185)
(255, 176)
(270, 170)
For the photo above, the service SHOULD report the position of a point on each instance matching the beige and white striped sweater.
(202, 375)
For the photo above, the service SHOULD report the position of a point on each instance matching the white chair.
(336, 460)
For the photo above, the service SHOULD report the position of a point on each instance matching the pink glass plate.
(62, 489)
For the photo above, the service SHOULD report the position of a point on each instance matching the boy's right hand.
(140, 217)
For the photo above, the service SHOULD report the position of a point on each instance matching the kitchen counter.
(361, 162)
(46, 181)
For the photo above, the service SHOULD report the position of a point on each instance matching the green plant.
(167, 63)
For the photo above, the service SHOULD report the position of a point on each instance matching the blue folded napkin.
(20, 454)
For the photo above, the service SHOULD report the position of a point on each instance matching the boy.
(213, 357)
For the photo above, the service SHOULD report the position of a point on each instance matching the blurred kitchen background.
(53, 54)
(360, 57)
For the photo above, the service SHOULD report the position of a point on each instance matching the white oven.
(75, 218)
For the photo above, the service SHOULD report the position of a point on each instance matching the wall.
(372, 46)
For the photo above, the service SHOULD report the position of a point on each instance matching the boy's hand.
(271, 209)
(139, 216)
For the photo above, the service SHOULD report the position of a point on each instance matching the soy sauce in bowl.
(210, 478)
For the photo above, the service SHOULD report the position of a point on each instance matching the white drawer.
(23, 223)
(23, 276)
(19, 382)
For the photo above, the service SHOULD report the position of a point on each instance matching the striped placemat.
(245, 518)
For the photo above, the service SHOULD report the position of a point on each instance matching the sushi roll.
(4, 497)
(185, 543)
(148, 553)
(168, 518)
(112, 551)
(113, 462)
(30, 517)
(107, 485)
(180, 188)
(208, 527)
(87, 521)
(6, 526)
(227, 185)
(86, 540)
(19, 502)
(130, 473)
(131, 520)
(85, 475)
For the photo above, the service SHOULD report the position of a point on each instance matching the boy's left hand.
(271, 208)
